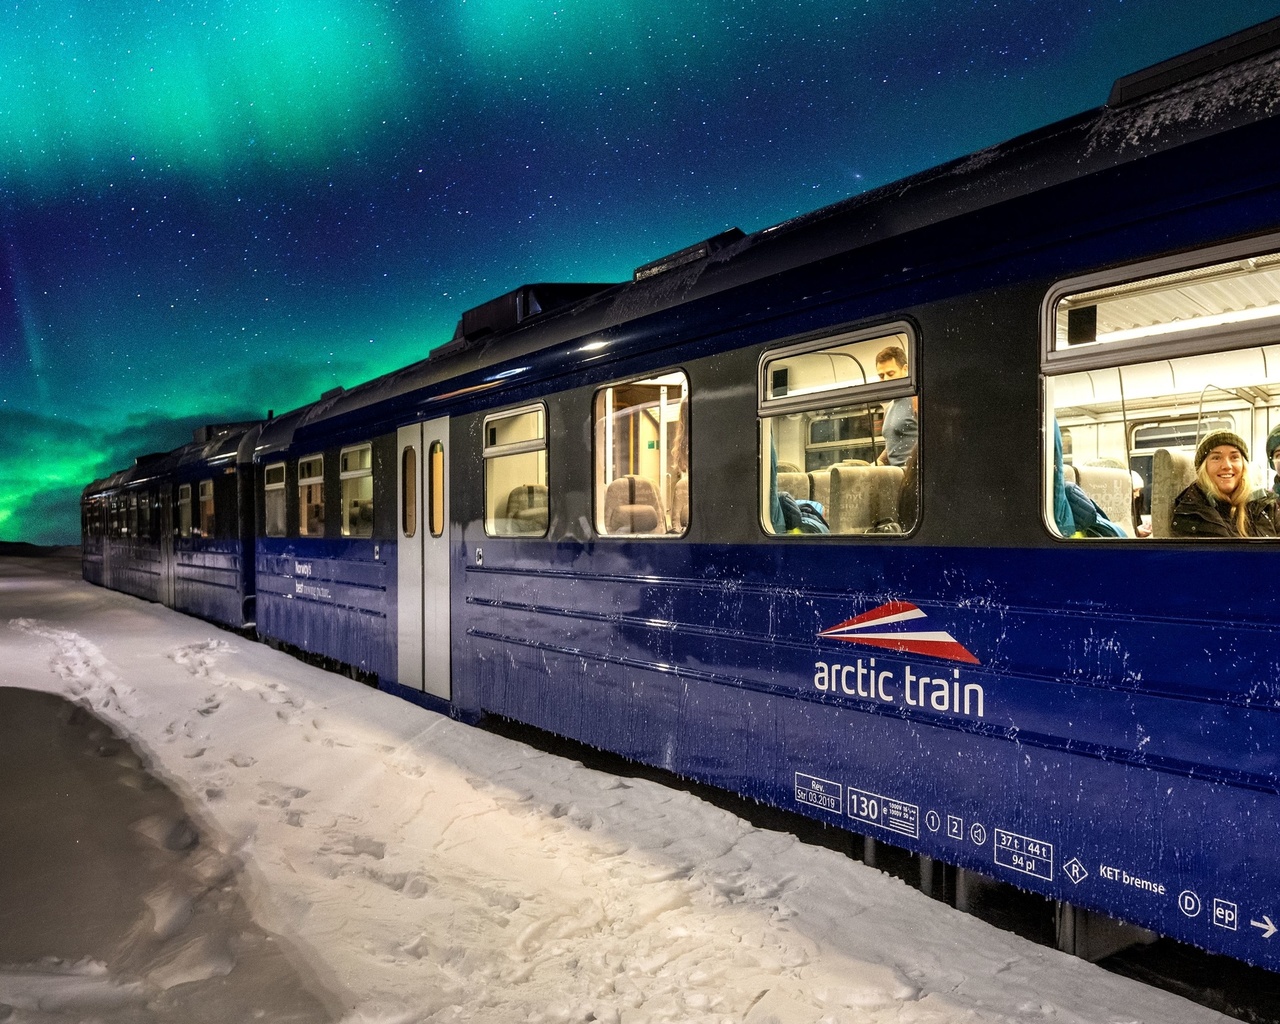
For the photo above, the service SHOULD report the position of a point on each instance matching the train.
(778, 513)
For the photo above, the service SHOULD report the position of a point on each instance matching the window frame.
(409, 492)
(541, 443)
(1055, 362)
(1136, 277)
(184, 510)
(434, 479)
(855, 396)
(599, 484)
(360, 473)
(205, 492)
(313, 480)
(151, 517)
(870, 393)
(270, 487)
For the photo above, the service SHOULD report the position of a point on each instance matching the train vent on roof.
(205, 434)
(514, 308)
(1220, 54)
(690, 254)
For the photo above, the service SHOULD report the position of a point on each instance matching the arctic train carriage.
(684, 519)
(178, 527)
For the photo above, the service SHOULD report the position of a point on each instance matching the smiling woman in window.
(1221, 502)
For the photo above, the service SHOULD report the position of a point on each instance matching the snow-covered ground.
(428, 871)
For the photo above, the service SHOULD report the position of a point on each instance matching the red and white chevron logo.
(884, 627)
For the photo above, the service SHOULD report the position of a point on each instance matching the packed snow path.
(433, 872)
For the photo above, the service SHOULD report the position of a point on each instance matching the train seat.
(631, 506)
(795, 484)
(527, 509)
(1171, 473)
(820, 487)
(863, 496)
(1112, 488)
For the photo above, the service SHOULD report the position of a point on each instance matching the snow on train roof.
(212, 444)
(1243, 92)
(1235, 85)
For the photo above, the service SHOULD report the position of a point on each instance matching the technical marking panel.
(894, 815)
(821, 793)
(1022, 853)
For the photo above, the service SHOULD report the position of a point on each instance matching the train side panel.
(1094, 722)
(332, 595)
(207, 579)
(333, 598)
(1049, 761)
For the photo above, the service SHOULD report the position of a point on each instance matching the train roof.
(214, 444)
(1228, 84)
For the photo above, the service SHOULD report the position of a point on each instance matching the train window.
(131, 530)
(435, 487)
(515, 474)
(839, 419)
(144, 516)
(642, 457)
(273, 503)
(311, 496)
(206, 508)
(409, 491)
(356, 472)
(184, 510)
(1139, 372)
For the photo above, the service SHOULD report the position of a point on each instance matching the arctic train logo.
(883, 627)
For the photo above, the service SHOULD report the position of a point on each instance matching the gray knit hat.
(1220, 437)
(1273, 442)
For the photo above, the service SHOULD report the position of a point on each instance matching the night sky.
(213, 208)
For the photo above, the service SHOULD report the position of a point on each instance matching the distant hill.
(21, 549)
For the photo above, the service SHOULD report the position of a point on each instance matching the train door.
(108, 535)
(422, 602)
(166, 545)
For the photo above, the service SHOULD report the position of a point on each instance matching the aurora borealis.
(215, 207)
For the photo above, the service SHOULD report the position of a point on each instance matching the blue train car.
(325, 550)
(177, 527)
(870, 515)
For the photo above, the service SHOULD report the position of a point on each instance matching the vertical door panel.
(434, 529)
(166, 546)
(409, 556)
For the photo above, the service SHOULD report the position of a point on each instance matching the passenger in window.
(1273, 456)
(1141, 522)
(901, 426)
(776, 519)
(909, 493)
(1063, 517)
(1220, 502)
(1074, 512)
